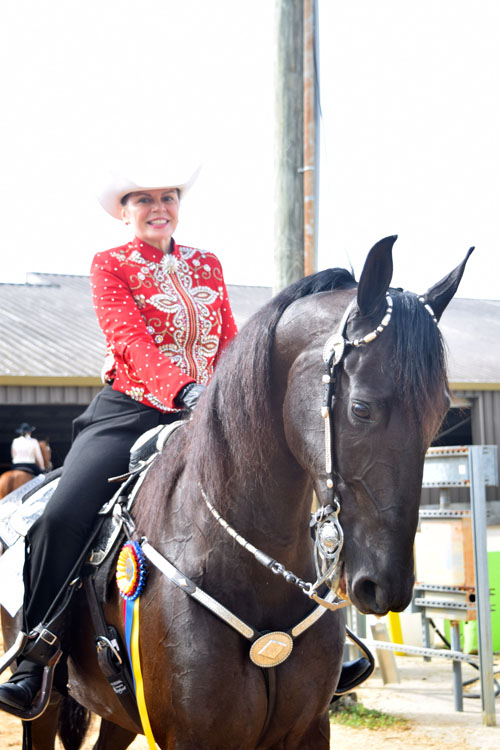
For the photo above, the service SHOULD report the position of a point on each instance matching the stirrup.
(14, 651)
(50, 653)
(43, 698)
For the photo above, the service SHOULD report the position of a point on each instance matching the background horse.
(14, 478)
(256, 447)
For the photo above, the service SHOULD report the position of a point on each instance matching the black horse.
(252, 453)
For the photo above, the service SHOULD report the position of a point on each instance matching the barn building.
(52, 350)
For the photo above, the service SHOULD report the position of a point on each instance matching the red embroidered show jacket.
(166, 319)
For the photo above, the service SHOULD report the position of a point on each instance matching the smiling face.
(153, 215)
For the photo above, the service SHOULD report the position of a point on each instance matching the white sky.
(409, 145)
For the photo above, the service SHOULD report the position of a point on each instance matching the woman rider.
(26, 452)
(166, 317)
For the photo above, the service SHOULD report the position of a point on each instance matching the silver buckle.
(48, 637)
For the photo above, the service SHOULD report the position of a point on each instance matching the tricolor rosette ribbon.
(131, 571)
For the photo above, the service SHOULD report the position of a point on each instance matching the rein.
(277, 568)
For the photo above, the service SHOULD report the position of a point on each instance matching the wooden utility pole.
(295, 141)
(289, 138)
(311, 145)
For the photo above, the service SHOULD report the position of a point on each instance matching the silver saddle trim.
(111, 528)
(153, 441)
(17, 517)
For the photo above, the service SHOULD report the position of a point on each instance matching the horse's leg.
(74, 721)
(113, 737)
(316, 737)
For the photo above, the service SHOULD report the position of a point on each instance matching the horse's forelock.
(418, 360)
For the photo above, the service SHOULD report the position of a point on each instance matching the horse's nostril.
(369, 596)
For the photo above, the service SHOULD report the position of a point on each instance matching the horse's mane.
(237, 403)
(241, 388)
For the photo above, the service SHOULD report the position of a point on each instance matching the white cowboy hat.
(117, 186)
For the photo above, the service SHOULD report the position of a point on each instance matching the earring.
(127, 223)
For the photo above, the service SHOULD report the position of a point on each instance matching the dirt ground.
(424, 695)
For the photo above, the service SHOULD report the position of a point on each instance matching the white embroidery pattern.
(191, 315)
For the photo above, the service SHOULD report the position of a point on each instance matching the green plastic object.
(468, 630)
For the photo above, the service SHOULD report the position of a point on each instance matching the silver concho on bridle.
(328, 542)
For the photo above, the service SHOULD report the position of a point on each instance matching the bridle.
(329, 537)
(328, 533)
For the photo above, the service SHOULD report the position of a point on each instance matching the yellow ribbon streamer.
(139, 686)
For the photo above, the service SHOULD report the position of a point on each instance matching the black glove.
(187, 398)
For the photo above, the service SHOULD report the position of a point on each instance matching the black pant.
(102, 438)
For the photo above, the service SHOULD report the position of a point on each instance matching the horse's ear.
(439, 295)
(376, 276)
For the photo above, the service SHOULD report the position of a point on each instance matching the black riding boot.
(27, 693)
(22, 688)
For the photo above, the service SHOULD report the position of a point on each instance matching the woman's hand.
(187, 398)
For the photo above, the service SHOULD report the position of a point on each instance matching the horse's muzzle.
(372, 596)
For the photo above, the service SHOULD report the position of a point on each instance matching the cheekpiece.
(131, 571)
(334, 348)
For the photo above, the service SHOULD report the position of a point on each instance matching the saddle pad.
(18, 512)
(21, 508)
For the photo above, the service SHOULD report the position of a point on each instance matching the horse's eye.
(360, 410)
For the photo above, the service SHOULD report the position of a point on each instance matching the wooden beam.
(311, 160)
(289, 144)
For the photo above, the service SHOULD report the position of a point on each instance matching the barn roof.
(471, 329)
(49, 332)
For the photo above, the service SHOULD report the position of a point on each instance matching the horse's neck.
(272, 512)
(270, 503)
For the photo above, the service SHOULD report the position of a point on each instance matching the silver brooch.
(169, 263)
